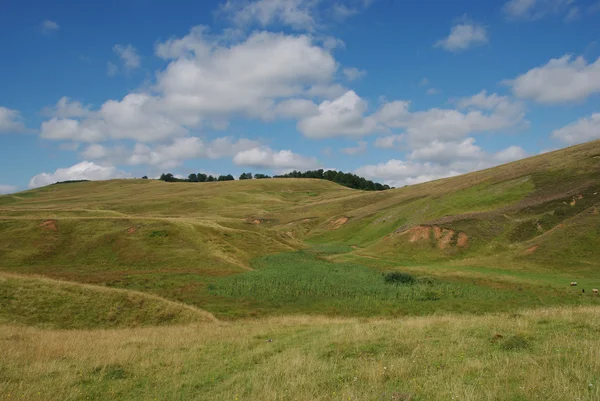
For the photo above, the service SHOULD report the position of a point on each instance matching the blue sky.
(398, 91)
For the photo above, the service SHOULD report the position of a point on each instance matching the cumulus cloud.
(583, 130)
(129, 56)
(49, 27)
(81, 171)
(361, 147)
(167, 155)
(65, 108)
(439, 160)
(295, 108)
(390, 141)
(534, 9)
(244, 78)
(267, 158)
(344, 116)
(561, 80)
(138, 116)
(484, 113)
(352, 73)
(8, 189)
(446, 152)
(11, 121)
(208, 80)
(463, 37)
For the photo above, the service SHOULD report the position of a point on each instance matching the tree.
(260, 176)
(201, 177)
(210, 178)
(192, 178)
(246, 176)
(145, 177)
(167, 177)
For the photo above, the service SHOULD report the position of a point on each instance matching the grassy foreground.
(549, 354)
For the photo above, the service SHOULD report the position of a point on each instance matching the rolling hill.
(290, 288)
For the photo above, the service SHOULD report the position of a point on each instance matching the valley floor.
(544, 354)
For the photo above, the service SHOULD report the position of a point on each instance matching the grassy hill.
(484, 235)
(482, 260)
(42, 302)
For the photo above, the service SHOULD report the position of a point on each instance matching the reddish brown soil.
(49, 225)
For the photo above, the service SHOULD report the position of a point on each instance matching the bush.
(399, 278)
(515, 343)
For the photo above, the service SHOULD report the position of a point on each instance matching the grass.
(547, 354)
(302, 283)
(90, 270)
(52, 304)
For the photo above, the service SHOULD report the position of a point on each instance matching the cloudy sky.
(399, 91)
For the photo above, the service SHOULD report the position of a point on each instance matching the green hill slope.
(532, 222)
(42, 302)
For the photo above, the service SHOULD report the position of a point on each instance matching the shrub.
(515, 343)
(399, 278)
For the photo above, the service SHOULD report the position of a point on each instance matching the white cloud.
(343, 116)
(534, 9)
(432, 91)
(561, 80)
(583, 130)
(264, 157)
(346, 116)
(423, 127)
(167, 155)
(8, 189)
(439, 160)
(209, 80)
(390, 141)
(245, 77)
(463, 37)
(129, 55)
(352, 73)
(49, 27)
(11, 121)
(70, 146)
(399, 173)
(297, 14)
(65, 108)
(137, 116)
(80, 171)
(446, 152)
(424, 82)
(510, 154)
(341, 11)
(295, 108)
(360, 148)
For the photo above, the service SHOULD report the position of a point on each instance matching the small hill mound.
(59, 305)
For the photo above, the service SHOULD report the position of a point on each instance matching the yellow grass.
(550, 354)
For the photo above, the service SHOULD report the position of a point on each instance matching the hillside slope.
(533, 222)
(35, 301)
